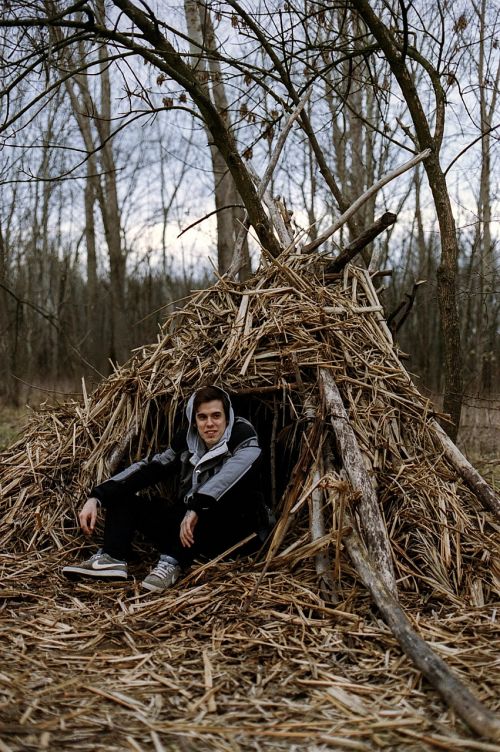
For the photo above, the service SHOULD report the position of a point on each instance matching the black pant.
(159, 521)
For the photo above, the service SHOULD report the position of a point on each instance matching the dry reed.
(246, 655)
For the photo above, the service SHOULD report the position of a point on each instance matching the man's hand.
(188, 525)
(88, 516)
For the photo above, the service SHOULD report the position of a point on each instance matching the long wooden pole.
(456, 695)
(371, 519)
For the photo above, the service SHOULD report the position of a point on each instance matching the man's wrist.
(200, 503)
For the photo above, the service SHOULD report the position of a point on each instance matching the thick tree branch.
(356, 246)
(223, 139)
(354, 463)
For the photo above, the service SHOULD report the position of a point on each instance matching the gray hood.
(195, 444)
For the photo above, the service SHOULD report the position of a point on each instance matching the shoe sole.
(74, 573)
(157, 588)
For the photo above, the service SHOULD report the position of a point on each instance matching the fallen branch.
(456, 695)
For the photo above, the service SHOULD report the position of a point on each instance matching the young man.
(220, 500)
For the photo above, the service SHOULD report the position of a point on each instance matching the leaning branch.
(456, 695)
(371, 519)
(281, 143)
(364, 198)
(261, 188)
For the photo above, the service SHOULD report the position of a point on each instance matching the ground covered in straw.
(248, 654)
(213, 665)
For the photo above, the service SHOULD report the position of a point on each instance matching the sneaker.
(99, 566)
(164, 575)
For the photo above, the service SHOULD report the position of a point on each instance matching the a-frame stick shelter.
(275, 343)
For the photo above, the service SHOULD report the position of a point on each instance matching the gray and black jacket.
(228, 473)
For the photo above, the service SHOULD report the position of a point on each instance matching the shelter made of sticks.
(385, 546)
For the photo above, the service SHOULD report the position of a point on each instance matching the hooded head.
(205, 396)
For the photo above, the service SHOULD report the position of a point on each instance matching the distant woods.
(57, 328)
(122, 127)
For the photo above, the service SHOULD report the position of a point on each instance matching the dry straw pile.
(249, 654)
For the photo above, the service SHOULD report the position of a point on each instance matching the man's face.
(211, 422)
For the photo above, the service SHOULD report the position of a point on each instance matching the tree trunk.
(94, 336)
(202, 37)
(9, 386)
(446, 285)
(487, 324)
(110, 210)
(447, 272)
(168, 60)
(94, 122)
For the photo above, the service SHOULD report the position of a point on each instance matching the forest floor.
(12, 420)
(228, 661)
(479, 437)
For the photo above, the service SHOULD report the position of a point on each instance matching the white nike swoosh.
(96, 565)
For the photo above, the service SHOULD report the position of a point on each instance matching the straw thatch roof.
(249, 654)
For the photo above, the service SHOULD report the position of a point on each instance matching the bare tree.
(229, 207)
(353, 59)
(488, 78)
(94, 119)
(395, 44)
